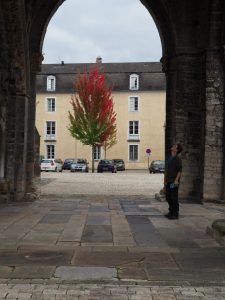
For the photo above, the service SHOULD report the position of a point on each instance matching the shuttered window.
(50, 104)
(51, 83)
(134, 82)
(133, 103)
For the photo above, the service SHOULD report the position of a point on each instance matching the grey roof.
(150, 74)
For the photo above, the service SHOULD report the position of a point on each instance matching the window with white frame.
(97, 152)
(133, 103)
(50, 104)
(133, 127)
(133, 152)
(51, 83)
(133, 131)
(134, 82)
(50, 129)
(50, 151)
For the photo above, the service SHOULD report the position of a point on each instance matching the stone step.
(217, 231)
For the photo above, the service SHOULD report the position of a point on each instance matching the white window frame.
(134, 82)
(46, 104)
(46, 151)
(50, 136)
(133, 136)
(133, 160)
(51, 83)
(131, 104)
(97, 152)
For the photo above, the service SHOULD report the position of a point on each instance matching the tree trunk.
(93, 161)
(105, 150)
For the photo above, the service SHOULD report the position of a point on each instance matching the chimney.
(98, 60)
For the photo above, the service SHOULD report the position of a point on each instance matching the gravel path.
(122, 183)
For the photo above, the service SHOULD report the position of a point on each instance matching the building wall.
(151, 117)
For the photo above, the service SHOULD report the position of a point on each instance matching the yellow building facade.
(139, 102)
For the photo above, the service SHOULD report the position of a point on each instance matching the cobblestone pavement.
(49, 291)
(108, 239)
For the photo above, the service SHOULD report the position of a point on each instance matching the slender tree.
(93, 120)
(111, 141)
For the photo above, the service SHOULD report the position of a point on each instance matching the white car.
(51, 164)
(79, 165)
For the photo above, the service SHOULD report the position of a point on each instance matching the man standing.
(172, 181)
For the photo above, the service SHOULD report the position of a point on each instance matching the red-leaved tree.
(93, 120)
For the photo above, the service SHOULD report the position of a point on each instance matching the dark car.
(79, 165)
(106, 165)
(120, 165)
(67, 163)
(157, 166)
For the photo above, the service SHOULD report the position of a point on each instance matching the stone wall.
(185, 118)
(213, 187)
(14, 96)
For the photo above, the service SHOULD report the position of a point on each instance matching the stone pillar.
(213, 188)
(184, 117)
(3, 111)
(14, 89)
(3, 182)
(2, 139)
(36, 60)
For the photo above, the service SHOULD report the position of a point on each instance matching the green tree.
(93, 120)
(111, 141)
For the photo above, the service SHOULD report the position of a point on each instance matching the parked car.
(79, 165)
(120, 164)
(106, 165)
(157, 166)
(67, 163)
(51, 164)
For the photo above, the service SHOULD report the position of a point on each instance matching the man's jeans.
(172, 198)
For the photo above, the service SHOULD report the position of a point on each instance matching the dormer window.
(134, 82)
(51, 81)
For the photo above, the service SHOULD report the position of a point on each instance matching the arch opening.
(132, 143)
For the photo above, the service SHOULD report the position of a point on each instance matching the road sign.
(148, 151)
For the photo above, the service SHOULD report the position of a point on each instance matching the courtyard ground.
(104, 236)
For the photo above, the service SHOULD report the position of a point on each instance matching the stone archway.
(193, 60)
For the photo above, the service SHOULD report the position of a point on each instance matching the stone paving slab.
(195, 259)
(55, 219)
(34, 257)
(97, 234)
(107, 258)
(30, 272)
(98, 220)
(86, 273)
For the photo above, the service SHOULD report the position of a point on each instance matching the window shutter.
(51, 83)
(134, 82)
(48, 84)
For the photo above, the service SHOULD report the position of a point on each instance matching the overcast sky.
(116, 30)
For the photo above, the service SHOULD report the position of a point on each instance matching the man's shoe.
(173, 217)
(169, 214)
